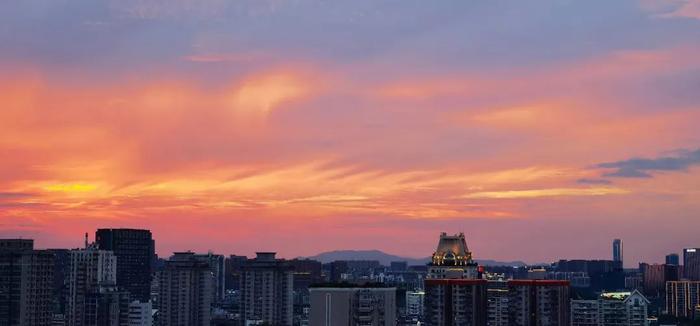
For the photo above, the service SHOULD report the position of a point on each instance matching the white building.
(414, 303)
(611, 309)
(140, 313)
(90, 270)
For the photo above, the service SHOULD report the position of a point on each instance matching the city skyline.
(542, 130)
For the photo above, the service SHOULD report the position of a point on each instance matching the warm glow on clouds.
(556, 192)
(257, 96)
(262, 123)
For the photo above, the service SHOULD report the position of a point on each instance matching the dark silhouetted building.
(234, 266)
(691, 263)
(26, 284)
(185, 291)
(135, 252)
(618, 253)
(603, 274)
(398, 266)
(538, 302)
(60, 277)
(352, 305)
(267, 290)
(682, 298)
(218, 269)
(655, 276)
(673, 259)
(337, 269)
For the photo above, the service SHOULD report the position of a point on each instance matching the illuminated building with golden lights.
(452, 259)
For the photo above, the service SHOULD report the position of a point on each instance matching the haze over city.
(540, 129)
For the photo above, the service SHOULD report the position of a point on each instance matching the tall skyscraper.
(453, 294)
(538, 302)
(135, 251)
(218, 269)
(185, 291)
(673, 259)
(611, 308)
(497, 296)
(267, 290)
(618, 253)
(682, 298)
(26, 284)
(691, 263)
(414, 303)
(346, 305)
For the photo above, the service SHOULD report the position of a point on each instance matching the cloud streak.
(644, 167)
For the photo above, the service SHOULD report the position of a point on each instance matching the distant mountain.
(386, 259)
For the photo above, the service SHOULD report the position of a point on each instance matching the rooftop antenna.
(86, 240)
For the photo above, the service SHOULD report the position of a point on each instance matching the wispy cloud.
(645, 167)
(553, 192)
(591, 181)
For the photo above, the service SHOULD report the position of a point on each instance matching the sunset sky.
(540, 129)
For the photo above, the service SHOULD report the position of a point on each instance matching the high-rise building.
(691, 263)
(453, 293)
(618, 252)
(109, 306)
(603, 274)
(497, 296)
(60, 288)
(682, 298)
(673, 259)
(90, 285)
(455, 302)
(26, 283)
(306, 272)
(611, 309)
(538, 302)
(140, 313)
(267, 290)
(135, 252)
(655, 276)
(234, 266)
(185, 291)
(415, 303)
(218, 269)
(350, 305)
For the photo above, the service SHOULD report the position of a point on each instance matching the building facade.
(415, 303)
(185, 291)
(682, 298)
(454, 295)
(135, 251)
(611, 309)
(267, 290)
(497, 296)
(370, 306)
(218, 268)
(26, 283)
(618, 252)
(538, 303)
(91, 273)
(691, 263)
